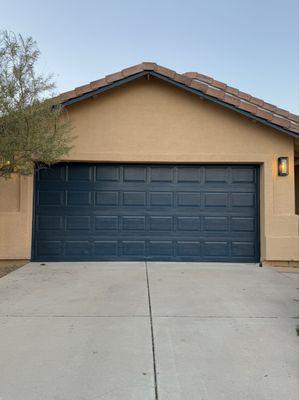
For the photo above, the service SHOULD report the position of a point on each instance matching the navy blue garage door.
(146, 212)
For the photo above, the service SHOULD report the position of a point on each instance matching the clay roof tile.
(202, 83)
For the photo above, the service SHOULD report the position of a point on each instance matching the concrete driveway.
(145, 331)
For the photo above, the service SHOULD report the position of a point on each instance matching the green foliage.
(33, 129)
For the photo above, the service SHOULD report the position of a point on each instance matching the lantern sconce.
(283, 166)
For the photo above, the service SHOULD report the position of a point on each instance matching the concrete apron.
(93, 331)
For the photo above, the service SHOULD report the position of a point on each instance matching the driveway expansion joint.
(221, 317)
(69, 316)
(152, 333)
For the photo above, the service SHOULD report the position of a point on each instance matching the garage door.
(146, 212)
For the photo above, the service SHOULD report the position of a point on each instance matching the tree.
(34, 130)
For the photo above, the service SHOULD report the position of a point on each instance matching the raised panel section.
(108, 173)
(216, 175)
(242, 199)
(241, 224)
(106, 248)
(133, 248)
(77, 248)
(217, 224)
(164, 199)
(161, 174)
(78, 198)
(216, 199)
(242, 174)
(55, 173)
(188, 199)
(50, 248)
(188, 174)
(133, 223)
(135, 174)
(134, 199)
(161, 224)
(160, 248)
(53, 198)
(188, 223)
(106, 223)
(79, 173)
(106, 199)
(188, 249)
(45, 222)
(243, 249)
(78, 222)
(216, 249)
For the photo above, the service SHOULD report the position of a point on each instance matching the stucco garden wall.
(15, 218)
(297, 189)
(151, 121)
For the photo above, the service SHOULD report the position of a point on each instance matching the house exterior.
(165, 166)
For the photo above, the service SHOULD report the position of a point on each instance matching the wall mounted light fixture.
(283, 166)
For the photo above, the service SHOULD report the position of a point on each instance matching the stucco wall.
(297, 189)
(15, 218)
(151, 121)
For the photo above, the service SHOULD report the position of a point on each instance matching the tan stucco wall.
(151, 121)
(297, 189)
(15, 217)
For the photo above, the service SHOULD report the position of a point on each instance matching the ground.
(132, 331)
(7, 266)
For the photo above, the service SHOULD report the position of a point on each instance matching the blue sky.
(250, 44)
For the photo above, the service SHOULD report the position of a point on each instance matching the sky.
(249, 44)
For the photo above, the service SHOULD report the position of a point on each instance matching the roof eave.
(197, 92)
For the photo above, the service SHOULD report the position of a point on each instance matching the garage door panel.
(243, 249)
(80, 173)
(188, 224)
(106, 248)
(78, 223)
(77, 248)
(49, 248)
(50, 198)
(188, 248)
(216, 224)
(163, 199)
(45, 222)
(216, 175)
(185, 199)
(243, 200)
(133, 223)
(133, 199)
(161, 174)
(161, 224)
(215, 199)
(216, 249)
(109, 199)
(155, 212)
(188, 174)
(134, 174)
(133, 248)
(57, 174)
(78, 198)
(161, 248)
(243, 224)
(107, 173)
(106, 223)
(243, 175)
